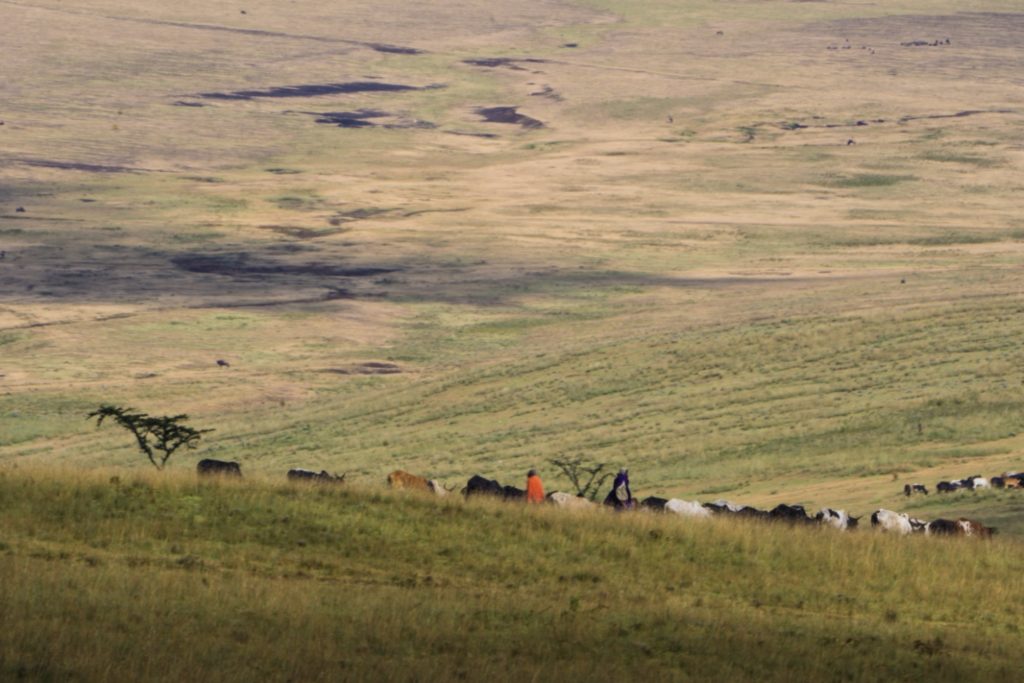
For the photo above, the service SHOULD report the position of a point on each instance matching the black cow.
(209, 466)
(512, 493)
(654, 503)
(947, 486)
(724, 507)
(910, 489)
(789, 513)
(944, 527)
(321, 477)
(478, 485)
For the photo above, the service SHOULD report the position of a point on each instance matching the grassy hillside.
(151, 577)
(768, 251)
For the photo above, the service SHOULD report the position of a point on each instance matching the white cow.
(687, 508)
(898, 522)
(568, 500)
(837, 518)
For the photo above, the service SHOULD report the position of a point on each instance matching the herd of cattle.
(1007, 480)
(885, 520)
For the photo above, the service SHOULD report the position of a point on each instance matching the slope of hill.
(762, 250)
(158, 577)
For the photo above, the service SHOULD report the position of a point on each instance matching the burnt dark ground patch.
(504, 62)
(362, 119)
(241, 264)
(367, 368)
(510, 115)
(316, 90)
(77, 166)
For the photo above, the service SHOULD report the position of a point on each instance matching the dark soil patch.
(240, 265)
(343, 217)
(360, 119)
(393, 49)
(72, 166)
(508, 115)
(488, 136)
(299, 232)
(796, 125)
(315, 90)
(548, 92)
(504, 62)
(369, 368)
(958, 115)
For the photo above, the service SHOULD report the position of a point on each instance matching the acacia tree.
(575, 470)
(156, 437)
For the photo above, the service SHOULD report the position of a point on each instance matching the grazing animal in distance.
(653, 503)
(209, 466)
(223, 363)
(789, 513)
(478, 485)
(512, 493)
(321, 477)
(686, 508)
(438, 488)
(837, 518)
(972, 528)
(898, 522)
(960, 527)
(400, 479)
(947, 486)
(910, 489)
(568, 500)
(943, 527)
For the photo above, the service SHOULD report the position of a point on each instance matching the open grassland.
(768, 251)
(161, 577)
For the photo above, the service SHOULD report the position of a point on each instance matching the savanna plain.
(757, 250)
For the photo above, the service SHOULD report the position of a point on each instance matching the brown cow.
(400, 479)
(972, 528)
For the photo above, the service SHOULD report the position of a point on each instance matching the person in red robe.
(534, 488)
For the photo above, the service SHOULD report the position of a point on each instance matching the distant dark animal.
(903, 281)
(947, 486)
(850, 142)
(789, 513)
(478, 485)
(837, 518)
(974, 481)
(998, 482)
(209, 466)
(943, 527)
(654, 503)
(3, 255)
(512, 493)
(910, 489)
(20, 209)
(321, 477)
(669, 118)
(725, 507)
(960, 527)
(223, 363)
